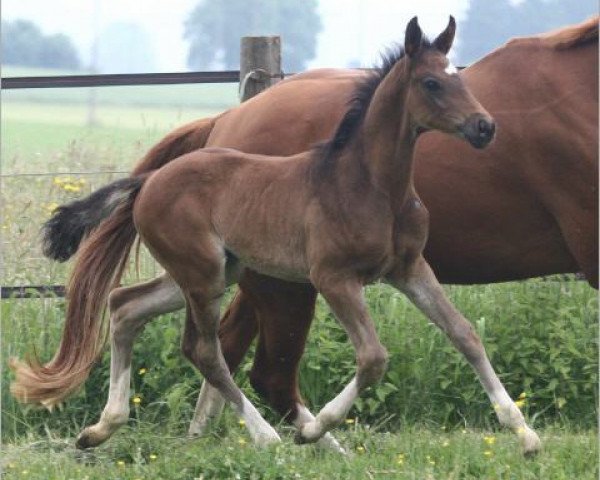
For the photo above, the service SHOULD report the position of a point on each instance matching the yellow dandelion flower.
(137, 400)
(153, 456)
(50, 207)
(445, 443)
(24, 472)
(488, 453)
(142, 371)
(242, 441)
(464, 430)
(242, 422)
(522, 396)
(520, 430)
(350, 421)
(400, 461)
(490, 440)
(431, 462)
(120, 463)
(360, 449)
(520, 403)
(496, 406)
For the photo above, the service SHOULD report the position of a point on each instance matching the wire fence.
(104, 80)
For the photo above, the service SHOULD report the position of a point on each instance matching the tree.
(125, 47)
(214, 30)
(24, 44)
(491, 24)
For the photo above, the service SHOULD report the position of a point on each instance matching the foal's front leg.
(421, 286)
(346, 299)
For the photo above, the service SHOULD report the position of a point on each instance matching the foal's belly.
(290, 273)
(284, 259)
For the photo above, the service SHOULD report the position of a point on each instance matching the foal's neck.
(389, 137)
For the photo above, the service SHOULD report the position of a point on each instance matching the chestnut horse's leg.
(130, 309)
(419, 283)
(345, 296)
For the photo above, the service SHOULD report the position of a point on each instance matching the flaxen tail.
(98, 268)
(71, 223)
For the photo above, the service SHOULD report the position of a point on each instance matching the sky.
(353, 30)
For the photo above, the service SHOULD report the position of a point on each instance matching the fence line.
(63, 174)
(102, 80)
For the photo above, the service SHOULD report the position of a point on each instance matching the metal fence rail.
(119, 79)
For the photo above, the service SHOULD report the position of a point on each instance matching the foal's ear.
(444, 40)
(412, 38)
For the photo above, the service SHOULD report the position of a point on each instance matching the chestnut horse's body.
(543, 92)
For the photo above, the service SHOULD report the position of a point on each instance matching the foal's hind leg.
(131, 308)
(420, 284)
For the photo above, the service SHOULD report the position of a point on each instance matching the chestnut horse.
(557, 217)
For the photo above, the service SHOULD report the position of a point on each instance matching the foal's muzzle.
(478, 130)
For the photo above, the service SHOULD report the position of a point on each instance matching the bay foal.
(341, 216)
(354, 218)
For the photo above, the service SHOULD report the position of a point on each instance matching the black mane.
(328, 151)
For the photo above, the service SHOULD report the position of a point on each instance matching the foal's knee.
(372, 365)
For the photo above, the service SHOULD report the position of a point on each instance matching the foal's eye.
(432, 85)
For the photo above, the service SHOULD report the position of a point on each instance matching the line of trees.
(24, 44)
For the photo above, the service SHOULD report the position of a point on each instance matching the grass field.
(429, 418)
(414, 453)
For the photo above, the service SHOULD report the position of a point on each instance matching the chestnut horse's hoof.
(88, 439)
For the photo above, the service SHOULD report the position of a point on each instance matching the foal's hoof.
(530, 442)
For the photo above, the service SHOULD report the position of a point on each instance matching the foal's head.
(437, 97)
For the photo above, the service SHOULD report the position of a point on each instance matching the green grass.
(40, 138)
(141, 452)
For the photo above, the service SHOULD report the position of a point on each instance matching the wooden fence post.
(260, 64)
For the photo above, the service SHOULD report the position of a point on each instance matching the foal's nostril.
(486, 129)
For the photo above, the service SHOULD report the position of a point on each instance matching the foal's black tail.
(70, 223)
